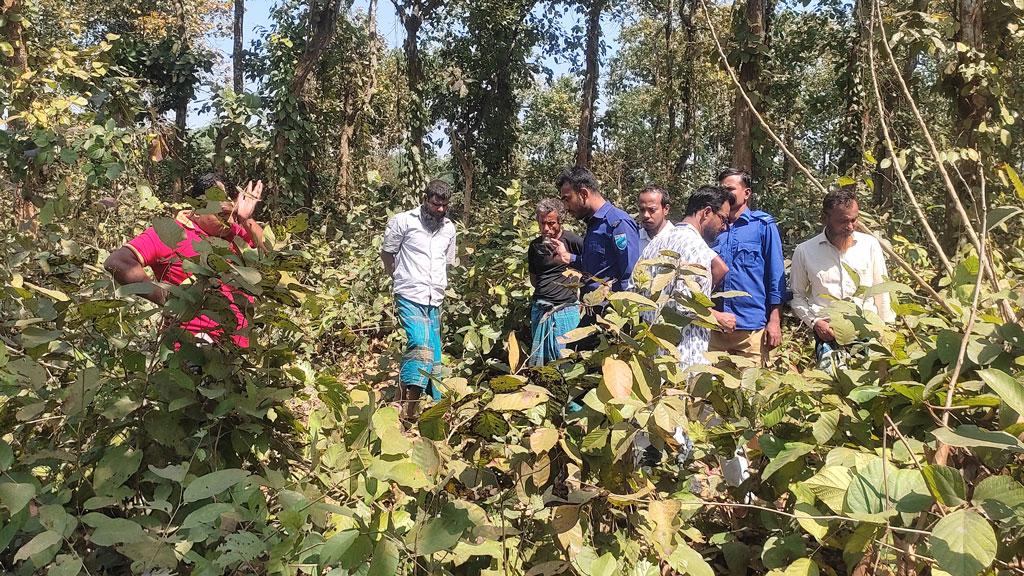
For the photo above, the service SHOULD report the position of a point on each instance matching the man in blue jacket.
(752, 249)
(611, 245)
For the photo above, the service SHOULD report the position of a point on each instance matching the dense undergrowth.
(119, 456)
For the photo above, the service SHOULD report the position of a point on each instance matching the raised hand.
(248, 198)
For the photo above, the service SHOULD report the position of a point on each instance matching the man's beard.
(431, 221)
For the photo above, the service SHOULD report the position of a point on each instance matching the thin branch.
(942, 454)
(891, 147)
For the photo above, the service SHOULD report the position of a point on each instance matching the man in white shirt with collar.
(819, 276)
(654, 203)
(418, 246)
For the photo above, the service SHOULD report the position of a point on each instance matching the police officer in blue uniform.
(611, 245)
(752, 249)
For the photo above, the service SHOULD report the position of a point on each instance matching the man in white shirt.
(819, 272)
(653, 203)
(418, 247)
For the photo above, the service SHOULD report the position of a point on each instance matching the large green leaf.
(37, 544)
(387, 427)
(524, 399)
(116, 466)
(113, 531)
(605, 565)
(829, 485)
(14, 496)
(789, 453)
(946, 484)
(688, 561)
(1002, 498)
(1007, 387)
(385, 559)
(442, 532)
(963, 543)
(489, 424)
(213, 484)
(970, 436)
(336, 546)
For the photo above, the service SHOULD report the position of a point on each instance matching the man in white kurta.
(819, 274)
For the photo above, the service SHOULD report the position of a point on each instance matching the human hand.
(772, 335)
(558, 251)
(726, 321)
(248, 198)
(824, 330)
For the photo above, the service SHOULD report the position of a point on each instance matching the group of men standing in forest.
(736, 248)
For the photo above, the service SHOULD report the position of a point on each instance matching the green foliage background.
(121, 454)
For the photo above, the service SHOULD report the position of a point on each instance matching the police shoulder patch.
(621, 241)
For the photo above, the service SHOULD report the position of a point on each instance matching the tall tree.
(237, 53)
(750, 29)
(13, 33)
(592, 48)
(356, 99)
(413, 14)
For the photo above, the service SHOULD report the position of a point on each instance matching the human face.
(550, 225)
(741, 192)
(435, 207)
(574, 201)
(652, 214)
(217, 224)
(841, 221)
(714, 222)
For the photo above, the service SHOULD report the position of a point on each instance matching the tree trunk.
(971, 105)
(585, 135)
(852, 85)
(752, 28)
(884, 179)
(357, 99)
(180, 147)
(238, 53)
(412, 14)
(13, 33)
(467, 167)
(670, 85)
(687, 8)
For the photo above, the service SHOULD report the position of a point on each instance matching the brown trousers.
(742, 343)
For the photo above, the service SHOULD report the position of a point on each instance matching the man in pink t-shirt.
(128, 263)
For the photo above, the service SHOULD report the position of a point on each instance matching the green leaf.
(172, 472)
(946, 484)
(802, 567)
(963, 543)
(387, 427)
(111, 531)
(169, 232)
(16, 496)
(336, 546)
(825, 426)
(605, 565)
(33, 336)
(1002, 498)
(507, 383)
(66, 565)
(37, 544)
(213, 483)
(1007, 387)
(207, 514)
(790, 453)
(688, 561)
(489, 424)
(6, 456)
(970, 436)
(528, 397)
(441, 533)
(385, 559)
(116, 466)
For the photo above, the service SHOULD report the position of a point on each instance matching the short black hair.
(210, 180)
(708, 196)
(838, 197)
(439, 190)
(745, 177)
(666, 198)
(579, 178)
